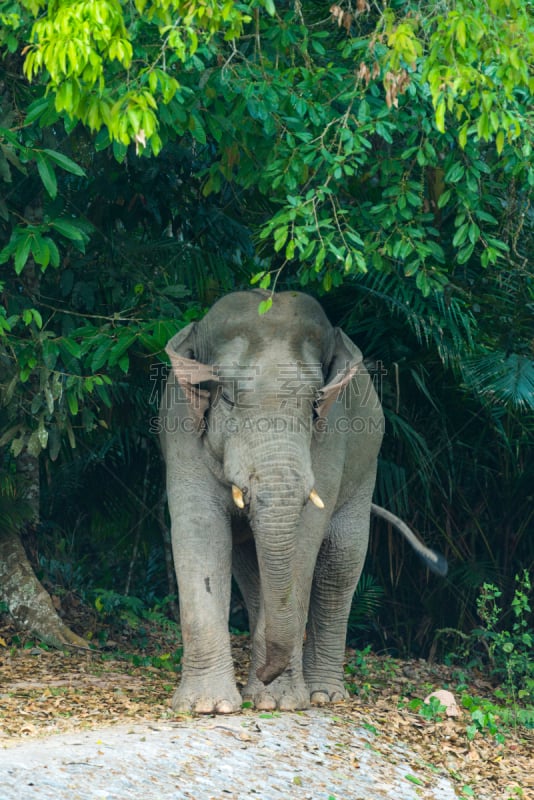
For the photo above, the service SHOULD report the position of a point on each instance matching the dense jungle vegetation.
(155, 155)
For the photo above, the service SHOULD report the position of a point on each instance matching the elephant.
(270, 429)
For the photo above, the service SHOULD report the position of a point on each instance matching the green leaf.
(71, 347)
(53, 251)
(440, 116)
(197, 129)
(65, 162)
(40, 250)
(72, 401)
(117, 352)
(465, 253)
(265, 281)
(280, 237)
(423, 284)
(68, 229)
(455, 173)
(461, 235)
(101, 355)
(37, 109)
(22, 252)
(48, 176)
(265, 305)
(17, 446)
(414, 779)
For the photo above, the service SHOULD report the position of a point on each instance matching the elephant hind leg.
(246, 573)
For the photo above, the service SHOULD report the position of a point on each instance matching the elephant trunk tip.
(275, 663)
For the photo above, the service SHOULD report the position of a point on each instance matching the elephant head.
(256, 390)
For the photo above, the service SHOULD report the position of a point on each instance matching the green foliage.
(509, 649)
(339, 123)
(476, 67)
(131, 614)
(483, 719)
(368, 158)
(504, 644)
(85, 49)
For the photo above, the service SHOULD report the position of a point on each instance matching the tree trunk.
(28, 602)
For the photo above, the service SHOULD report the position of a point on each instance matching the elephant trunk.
(278, 493)
(275, 546)
(271, 480)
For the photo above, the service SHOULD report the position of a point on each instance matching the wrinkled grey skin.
(275, 405)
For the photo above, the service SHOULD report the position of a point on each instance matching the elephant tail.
(434, 561)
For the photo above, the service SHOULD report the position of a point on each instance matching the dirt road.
(306, 756)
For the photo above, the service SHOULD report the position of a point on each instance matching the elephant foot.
(284, 694)
(208, 696)
(324, 692)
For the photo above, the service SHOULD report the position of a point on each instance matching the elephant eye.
(227, 399)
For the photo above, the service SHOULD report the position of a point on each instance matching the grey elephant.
(270, 430)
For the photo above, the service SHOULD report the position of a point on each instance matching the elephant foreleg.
(202, 554)
(337, 571)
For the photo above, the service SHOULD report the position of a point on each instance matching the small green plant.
(132, 610)
(433, 711)
(358, 664)
(356, 670)
(484, 719)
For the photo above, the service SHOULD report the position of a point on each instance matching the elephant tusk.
(316, 500)
(237, 496)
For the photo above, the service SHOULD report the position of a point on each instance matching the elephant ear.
(346, 361)
(190, 373)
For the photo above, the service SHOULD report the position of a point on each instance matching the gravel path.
(307, 756)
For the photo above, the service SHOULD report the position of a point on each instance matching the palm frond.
(14, 512)
(499, 377)
(414, 442)
(391, 488)
(441, 320)
(366, 602)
